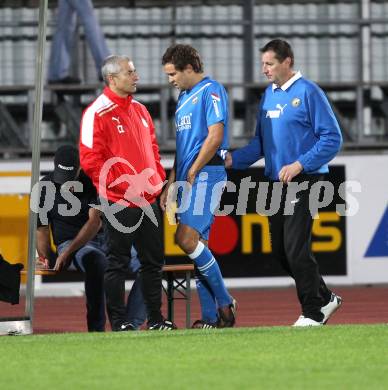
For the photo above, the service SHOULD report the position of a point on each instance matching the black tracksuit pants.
(291, 245)
(148, 241)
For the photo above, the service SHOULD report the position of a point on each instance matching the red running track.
(256, 307)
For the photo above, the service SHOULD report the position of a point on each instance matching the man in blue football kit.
(297, 134)
(201, 120)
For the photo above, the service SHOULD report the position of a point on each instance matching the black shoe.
(202, 324)
(227, 315)
(66, 80)
(96, 330)
(127, 326)
(162, 325)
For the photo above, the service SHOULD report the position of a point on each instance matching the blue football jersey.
(294, 123)
(198, 108)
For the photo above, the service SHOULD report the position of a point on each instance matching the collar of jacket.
(121, 101)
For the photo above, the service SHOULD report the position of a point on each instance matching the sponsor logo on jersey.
(274, 114)
(119, 126)
(184, 123)
(195, 100)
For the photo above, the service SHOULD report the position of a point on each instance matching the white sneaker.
(331, 307)
(303, 321)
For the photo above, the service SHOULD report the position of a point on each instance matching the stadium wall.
(351, 249)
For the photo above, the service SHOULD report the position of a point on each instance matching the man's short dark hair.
(182, 55)
(281, 48)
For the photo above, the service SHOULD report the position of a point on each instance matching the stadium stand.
(335, 41)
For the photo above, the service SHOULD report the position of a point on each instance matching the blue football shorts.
(196, 205)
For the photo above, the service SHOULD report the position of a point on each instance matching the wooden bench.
(178, 277)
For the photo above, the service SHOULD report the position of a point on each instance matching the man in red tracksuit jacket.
(119, 151)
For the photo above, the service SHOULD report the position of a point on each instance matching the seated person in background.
(65, 206)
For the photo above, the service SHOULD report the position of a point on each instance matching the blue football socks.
(206, 298)
(210, 273)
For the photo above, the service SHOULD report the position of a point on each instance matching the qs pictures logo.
(138, 185)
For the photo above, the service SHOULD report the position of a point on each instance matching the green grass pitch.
(329, 357)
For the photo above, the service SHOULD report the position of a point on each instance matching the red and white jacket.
(119, 150)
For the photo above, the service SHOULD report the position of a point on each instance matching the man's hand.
(288, 172)
(42, 263)
(63, 261)
(191, 175)
(163, 198)
(228, 160)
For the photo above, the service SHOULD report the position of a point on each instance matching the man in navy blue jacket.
(297, 134)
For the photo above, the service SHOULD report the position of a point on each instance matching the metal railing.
(63, 107)
(360, 101)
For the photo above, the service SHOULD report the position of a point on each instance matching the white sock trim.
(207, 265)
(197, 251)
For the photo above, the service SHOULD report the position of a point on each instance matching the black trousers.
(148, 241)
(291, 245)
